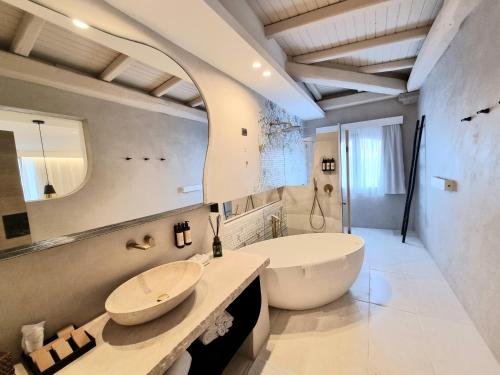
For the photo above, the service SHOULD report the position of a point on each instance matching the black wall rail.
(483, 111)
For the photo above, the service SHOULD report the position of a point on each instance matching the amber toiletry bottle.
(187, 234)
(179, 236)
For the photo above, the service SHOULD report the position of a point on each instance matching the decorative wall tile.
(252, 227)
(282, 149)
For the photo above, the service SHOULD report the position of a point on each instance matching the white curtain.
(65, 174)
(365, 161)
(393, 163)
(376, 160)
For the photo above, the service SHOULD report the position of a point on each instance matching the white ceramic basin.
(153, 293)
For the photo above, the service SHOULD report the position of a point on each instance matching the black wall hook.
(128, 158)
(162, 159)
(466, 119)
(486, 110)
(146, 159)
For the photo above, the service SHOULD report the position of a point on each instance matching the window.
(365, 160)
(376, 160)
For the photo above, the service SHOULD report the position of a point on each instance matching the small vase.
(217, 247)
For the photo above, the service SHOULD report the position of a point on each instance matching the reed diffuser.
(216, 245)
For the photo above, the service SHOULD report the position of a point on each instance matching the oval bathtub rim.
(301, 265)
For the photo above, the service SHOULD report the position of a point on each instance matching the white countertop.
(152, 347)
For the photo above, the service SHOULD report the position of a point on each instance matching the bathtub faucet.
(276, 224)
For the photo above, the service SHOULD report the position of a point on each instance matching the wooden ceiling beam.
(26, 69)
(116, 67)
(26, 35)
(390, 66)
(443, 31)
(346, 79)
(196, 102)
(320, 15)
(352, 100)
(166, 86)
(364, 45)
(314, 90)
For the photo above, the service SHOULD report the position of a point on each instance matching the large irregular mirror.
(90, 137)
(241, 206)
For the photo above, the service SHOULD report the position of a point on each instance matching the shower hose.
(322, 227)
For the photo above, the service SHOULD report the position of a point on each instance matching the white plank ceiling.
(57, 46)
(368, 23)
(142, 76)
(183, 91)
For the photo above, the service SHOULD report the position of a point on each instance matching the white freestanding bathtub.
(309, 270)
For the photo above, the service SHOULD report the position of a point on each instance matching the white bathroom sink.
(153, 293)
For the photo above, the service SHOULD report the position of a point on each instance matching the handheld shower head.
(322, 227)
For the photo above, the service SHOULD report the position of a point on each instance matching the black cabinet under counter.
(211, 359)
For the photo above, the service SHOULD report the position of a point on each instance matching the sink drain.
(162, 297)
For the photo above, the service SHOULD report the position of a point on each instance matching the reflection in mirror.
(124, 138)
(249, 203)
(50, 153)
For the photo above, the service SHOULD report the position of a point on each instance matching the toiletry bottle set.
(182, 232)
(328, 165)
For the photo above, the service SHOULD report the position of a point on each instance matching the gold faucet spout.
(149, 242)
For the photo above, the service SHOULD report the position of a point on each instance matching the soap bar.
(65, 333)
(42, 359)
(62, 348)
(80, 337)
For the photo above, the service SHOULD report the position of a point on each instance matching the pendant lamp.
(48, 189)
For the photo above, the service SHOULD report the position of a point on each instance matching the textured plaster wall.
(461, 229)
(386, 212)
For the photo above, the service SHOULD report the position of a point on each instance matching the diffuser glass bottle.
(216, 245)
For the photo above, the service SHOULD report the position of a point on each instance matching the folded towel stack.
(218, 328)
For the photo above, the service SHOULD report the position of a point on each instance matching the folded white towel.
(224, 317)
(221, 330)
(208, 336)
(219, 327)
(181, 366)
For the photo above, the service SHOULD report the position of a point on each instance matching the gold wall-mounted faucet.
(149, 242)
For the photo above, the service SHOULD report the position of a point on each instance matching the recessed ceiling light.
(256, 65)
(80, 24)
(266, 73)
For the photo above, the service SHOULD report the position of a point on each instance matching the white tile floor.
(400, 318)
